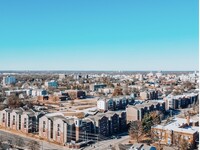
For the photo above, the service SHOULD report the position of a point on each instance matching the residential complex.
(77, 109)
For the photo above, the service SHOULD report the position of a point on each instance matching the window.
(44, 126)
(3, 118)
(58, 130)
(8, 119)
(25, 122)
(19, 122)
(51, 129)
(13, 119)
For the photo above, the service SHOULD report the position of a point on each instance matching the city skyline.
(99, 35)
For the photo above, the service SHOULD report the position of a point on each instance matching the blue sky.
(99, 35)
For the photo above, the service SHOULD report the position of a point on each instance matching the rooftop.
(176, 125)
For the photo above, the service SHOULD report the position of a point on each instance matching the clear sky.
(99, 35)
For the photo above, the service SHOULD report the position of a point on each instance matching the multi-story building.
(51, 83)
(138, 111)
(177, 129)
(9, 80)
(113, 122)
(39, 92)
(101, 124)
(58, 128)
(106, 91)
(109, 123)
(115, 103)
(96, 87)
(76, 94)
(55, 127)
(149, 95)
(122, 121)
(181, 101)
(26, 92)
(20, 119)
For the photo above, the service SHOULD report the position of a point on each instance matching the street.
(103, 145)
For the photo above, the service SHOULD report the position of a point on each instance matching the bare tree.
(117, 91)
(14, 102)
(72, 95)
(135, 130)
(180, 143)
(157, 137)
(184, 145)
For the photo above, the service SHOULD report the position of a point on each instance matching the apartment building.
(96, 87)
(181, 101)
(39, 92)
(26, 92)
(9, 80)
(20, 119)
(76, 94)
(101, 124)
(138, 111)
(177, 129)
(122, 121)
(55, 127)
(58, 128)
(51, 83)
(149, 95)
(109, 123)
(115, 103)
(113, 122)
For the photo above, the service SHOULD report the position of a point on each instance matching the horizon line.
(94, 70)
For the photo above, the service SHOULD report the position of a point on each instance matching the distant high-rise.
(51, 83)
(9, 80)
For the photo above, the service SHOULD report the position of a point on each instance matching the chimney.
(188, 119)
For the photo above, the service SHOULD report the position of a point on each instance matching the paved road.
(7, 135)
(103, 145)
